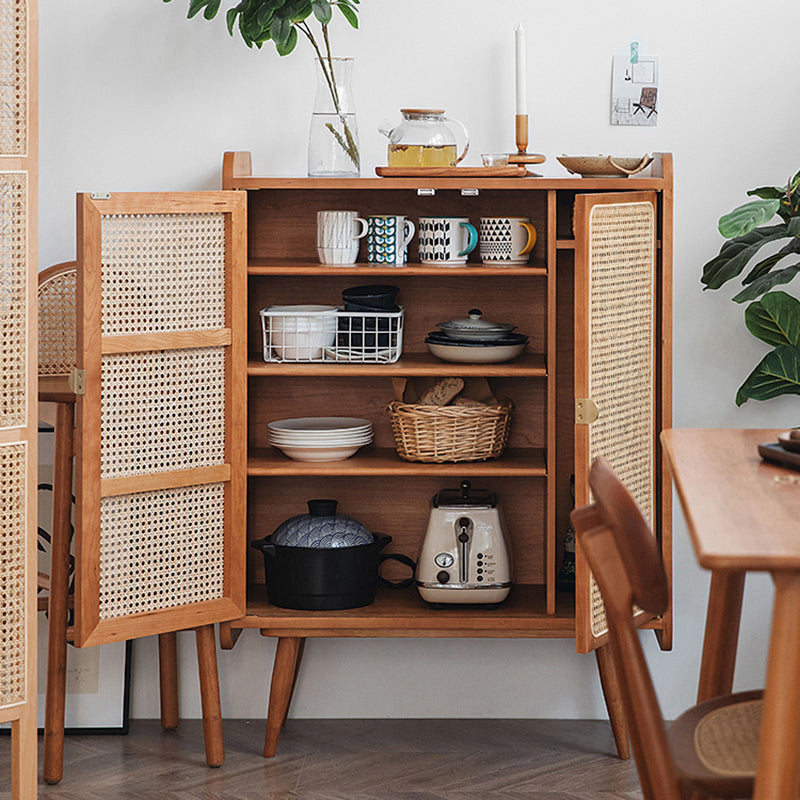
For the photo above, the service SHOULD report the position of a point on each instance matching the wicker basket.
(436, 434)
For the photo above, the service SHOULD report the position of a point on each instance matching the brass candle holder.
(522, 156)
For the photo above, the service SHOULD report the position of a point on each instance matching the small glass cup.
(494, 159)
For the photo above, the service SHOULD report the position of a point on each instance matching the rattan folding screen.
(161, 456)
(18, 423)
(616, 305)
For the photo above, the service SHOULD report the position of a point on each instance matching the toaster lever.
(464, 524)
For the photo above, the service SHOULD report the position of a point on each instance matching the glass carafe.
(424, 139)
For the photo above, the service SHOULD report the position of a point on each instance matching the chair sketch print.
(647, 100)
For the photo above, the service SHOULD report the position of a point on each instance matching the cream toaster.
(464, 557)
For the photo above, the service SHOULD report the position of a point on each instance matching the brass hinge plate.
(77, 381)
(586, 411)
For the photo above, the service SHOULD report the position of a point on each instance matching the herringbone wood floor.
(348, 760)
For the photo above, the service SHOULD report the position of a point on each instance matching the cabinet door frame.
(90, 629)
(588, 635)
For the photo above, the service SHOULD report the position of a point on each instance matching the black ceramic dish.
(327, 578)
(437, 337)
(376, 297)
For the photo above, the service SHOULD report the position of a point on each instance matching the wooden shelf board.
(515, 462)
(412, 184)
(402, 613)
(282, 266)
(528, 365)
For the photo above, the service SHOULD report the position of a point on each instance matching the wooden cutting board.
(512, 171)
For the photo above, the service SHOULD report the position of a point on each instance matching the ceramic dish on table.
(604, 166)
(479, 352)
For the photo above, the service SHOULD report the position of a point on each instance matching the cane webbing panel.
(726, 739)
(57, 320)
(13, 299)
(161, 549)
(622, 352)
(13, 77)
(13, 543)
(162, 272)
(162, 411)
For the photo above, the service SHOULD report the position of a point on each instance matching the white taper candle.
(520, 69)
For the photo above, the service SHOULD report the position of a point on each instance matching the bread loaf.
(442, 392)
(466, 401)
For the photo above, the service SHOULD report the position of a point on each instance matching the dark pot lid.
(321, 527)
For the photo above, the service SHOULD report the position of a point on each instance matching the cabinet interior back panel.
(270, 236)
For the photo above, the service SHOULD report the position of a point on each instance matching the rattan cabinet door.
(18, 409)
(161, 470)
(616, 307)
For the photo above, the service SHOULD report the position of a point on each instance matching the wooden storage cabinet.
(391, 495)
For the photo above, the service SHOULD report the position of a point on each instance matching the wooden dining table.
(743, 515)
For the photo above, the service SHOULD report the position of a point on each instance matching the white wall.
(135, 97)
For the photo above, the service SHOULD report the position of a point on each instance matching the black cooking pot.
(327, 578)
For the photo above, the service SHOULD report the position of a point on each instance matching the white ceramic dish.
(477, 355)
(300, 332)
(337, 424)
(338, 442)
(319, 453)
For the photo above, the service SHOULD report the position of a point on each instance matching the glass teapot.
(424, 139)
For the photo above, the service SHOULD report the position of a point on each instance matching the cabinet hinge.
(585, 410)
(100, 195)
(426, 192)
(77, 381)
(470, 192)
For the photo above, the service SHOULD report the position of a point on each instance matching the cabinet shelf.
(402, 613)
(282, 266)
(528, 365)
(515, 462)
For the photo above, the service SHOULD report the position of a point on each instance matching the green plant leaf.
(768, 192)
(349, 14)
(211, 9)
(765, 283)
(793, 226)
(322, 11)
(196, 6)
(745, 218)
(763, 267)
(280, 30)
(290, 43)
(776, 374)
(734, 255)
(775, 319)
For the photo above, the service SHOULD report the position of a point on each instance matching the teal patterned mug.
(388, 236)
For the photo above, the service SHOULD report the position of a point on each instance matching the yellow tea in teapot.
(419, 155)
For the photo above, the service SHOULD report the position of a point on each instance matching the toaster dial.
(443, 560)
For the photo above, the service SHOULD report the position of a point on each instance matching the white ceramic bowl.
(319, 453)
(477, 355)
(300, 332)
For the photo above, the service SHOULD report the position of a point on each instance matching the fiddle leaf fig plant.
(279, 21)
(773, 317)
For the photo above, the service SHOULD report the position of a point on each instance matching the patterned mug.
(388, 236)
(337, 238)
(446, 241)
(506, 240)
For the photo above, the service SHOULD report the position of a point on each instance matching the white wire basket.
(361, 337)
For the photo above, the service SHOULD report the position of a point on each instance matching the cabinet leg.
(58, 610)
(168, 679)
(300, 648)
(209, 695)
(616, 713)
(284, 673)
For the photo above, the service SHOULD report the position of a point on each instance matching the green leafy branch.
(279, 21)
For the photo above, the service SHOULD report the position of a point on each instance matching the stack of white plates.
(320, 438)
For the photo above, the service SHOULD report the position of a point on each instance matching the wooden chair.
(711, 749)
(57, 358)
(647, 101)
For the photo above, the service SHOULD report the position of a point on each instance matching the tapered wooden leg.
(616, 713)
(722, 635)
(283, 677)
(58, 610)
(168, 679)
(209, 695)
(778, 769)
(301, 647)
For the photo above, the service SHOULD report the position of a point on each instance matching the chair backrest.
(624, 557)
(648, 96)
(57, 319)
